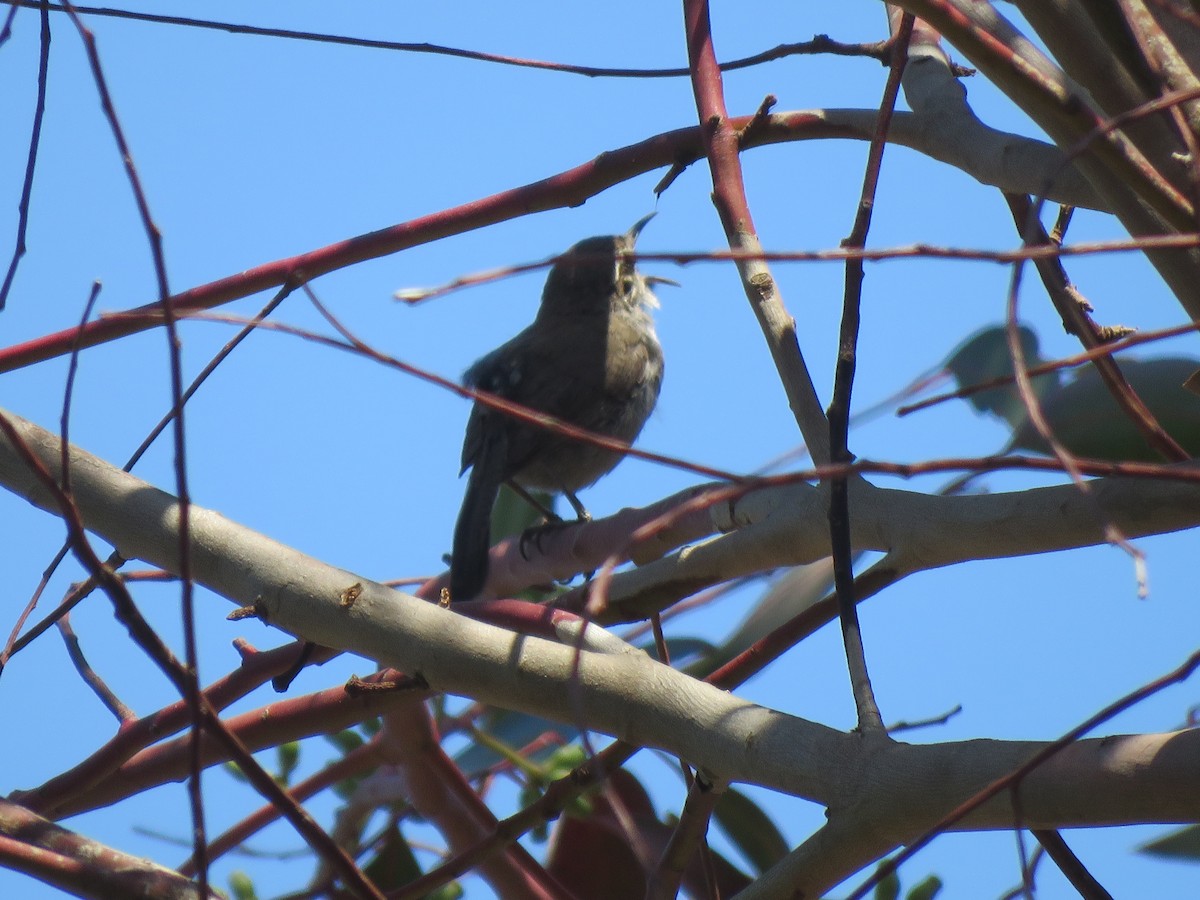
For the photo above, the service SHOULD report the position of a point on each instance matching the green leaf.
(926, 890)
(346, 740)
(235, 771)
(345, 788)
(394, 865)
(512, 515)
(888, 887)
(750, 830)
(288, 757)
(563, 761)
(513, 729)
(241, 887)
(1183, 843)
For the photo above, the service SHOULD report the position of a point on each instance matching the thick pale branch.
(1140, 778)
(1104, 773)
(785, 526)
(1061, 107)
(1133, 189)
(1104, 64)
(620, 694)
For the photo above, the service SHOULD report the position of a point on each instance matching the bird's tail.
(473, 532)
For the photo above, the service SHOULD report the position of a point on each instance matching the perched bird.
(1080, 410)
(984, 356)
(590, 358)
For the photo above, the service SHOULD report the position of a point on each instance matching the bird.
(591, 358)
(1080, 410)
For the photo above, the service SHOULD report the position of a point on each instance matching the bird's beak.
(633, 232)
(658, 279)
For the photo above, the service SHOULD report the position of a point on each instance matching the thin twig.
(685, 840)
(1035, 860)
(1077, 321)
(945, 717)
(1065, 362)
(64, 419)
(6, 29)
(79, 592)
(1070, 865)
(124, 714)
(34, 141)
(568, 188)
(870, 721)
(154, 647)
(819, 44)
(154, 236)
(722, 142)
(219, 357)
(1037, 418)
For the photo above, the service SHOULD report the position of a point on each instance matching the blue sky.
(253, 149)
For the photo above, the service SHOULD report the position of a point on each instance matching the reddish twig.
(154, 647)
(400, 237)
(154, 236)
(1066, 362)
(81, 866)
(723, 141)
(1078, 322)
(358, 761)
(100, 766)
(1035, 252)
(440, 793)
(323, 712)
(565, 189)
(530, 416)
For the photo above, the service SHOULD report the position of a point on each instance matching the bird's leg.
(581, 514)
(548, 514)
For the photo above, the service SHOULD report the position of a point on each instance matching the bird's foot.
(535, 534)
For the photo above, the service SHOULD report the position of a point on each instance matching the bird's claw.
(534, 534)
